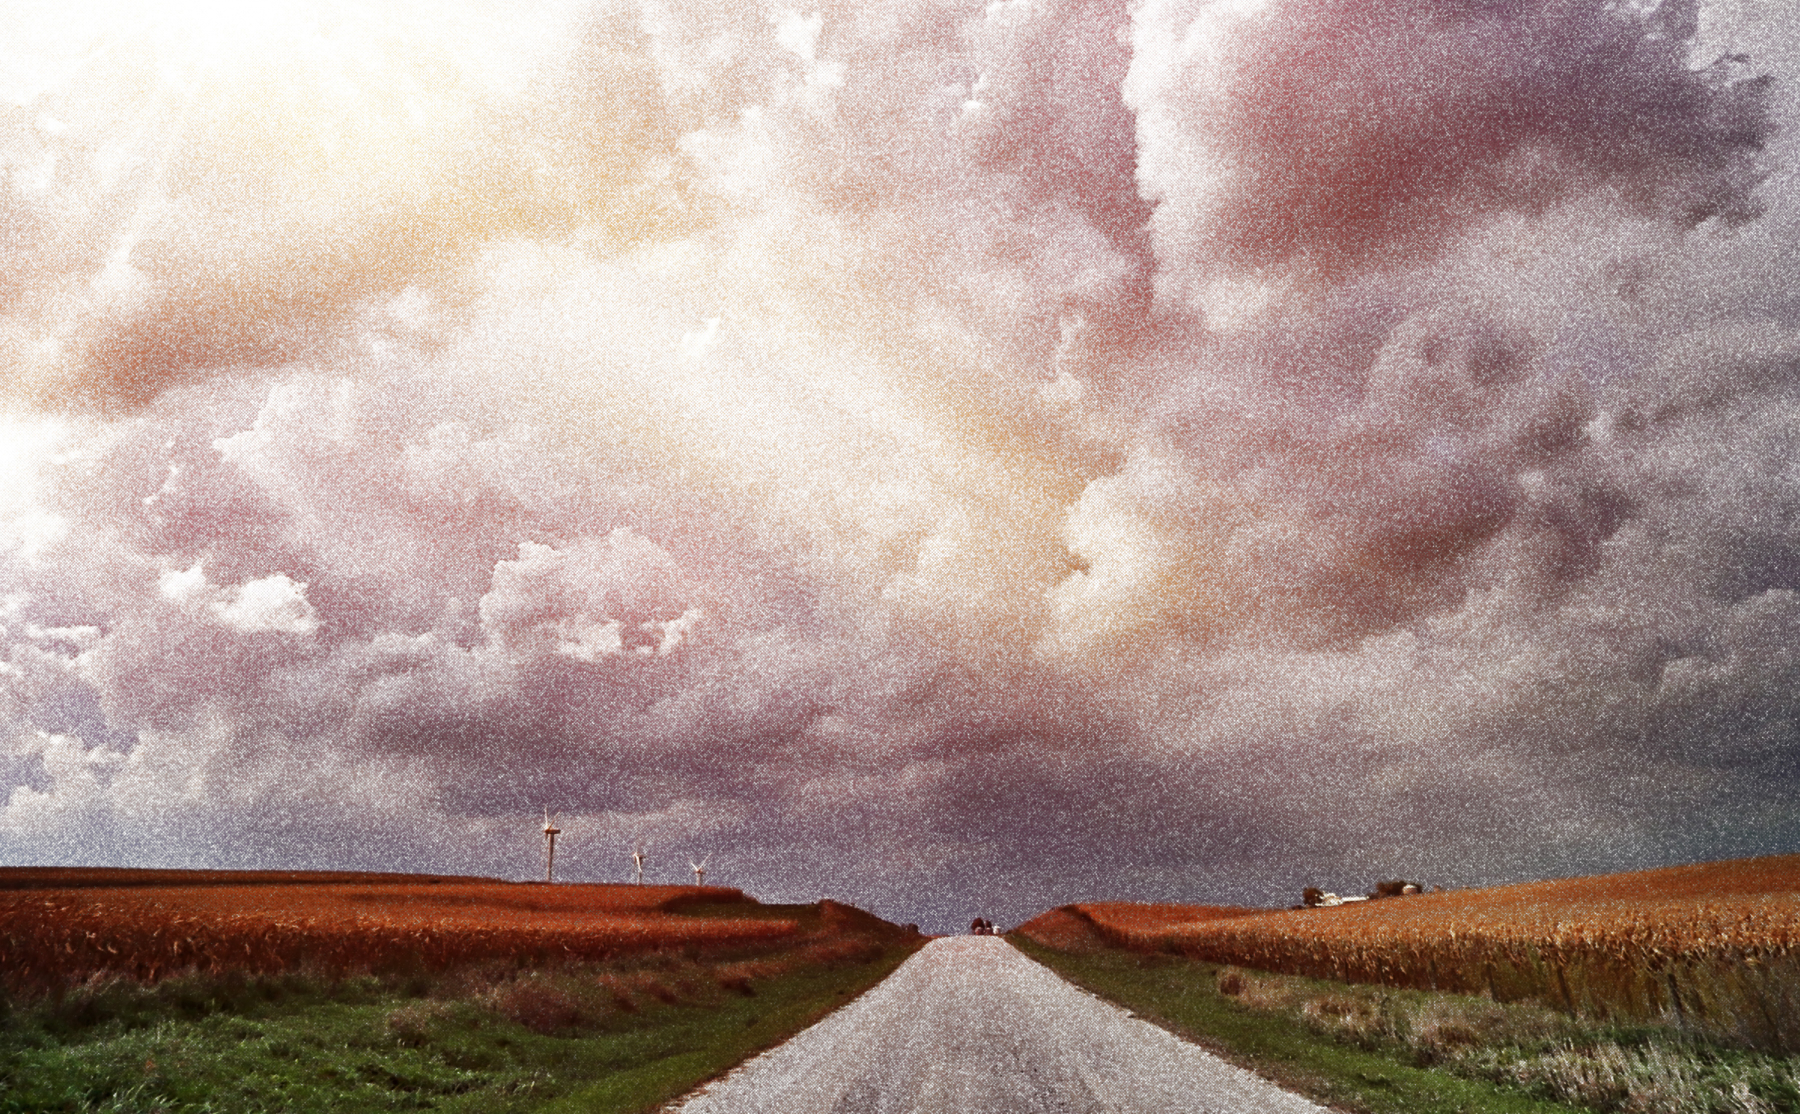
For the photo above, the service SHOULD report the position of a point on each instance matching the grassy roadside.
(675, 1058)
(1376, 1048)
(1183, 996)
(623, 1036)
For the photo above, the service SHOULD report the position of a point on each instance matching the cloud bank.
(953, 457)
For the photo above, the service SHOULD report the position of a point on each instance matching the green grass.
(499, 1042)
(1376, 1049)
(1182, 996)
(670, 1060)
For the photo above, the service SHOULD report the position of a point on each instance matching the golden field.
(59, 928)
(1710, 947)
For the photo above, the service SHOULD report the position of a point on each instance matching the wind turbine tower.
(637, 860)
(699, 871)
(550, 835)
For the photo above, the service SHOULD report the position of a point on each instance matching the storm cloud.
(953, 457)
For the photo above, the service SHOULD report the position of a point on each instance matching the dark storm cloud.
(1316, 139)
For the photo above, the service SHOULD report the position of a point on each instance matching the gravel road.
(971, 1026)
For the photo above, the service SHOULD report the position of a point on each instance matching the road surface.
(971, 1026)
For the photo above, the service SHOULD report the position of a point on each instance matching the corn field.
(1711, 948)
(53, 938)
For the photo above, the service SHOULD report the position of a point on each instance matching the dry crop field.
(1712, 947)
(1088, 925)
(59, 928)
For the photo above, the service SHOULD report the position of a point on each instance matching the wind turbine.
(550, 835)
(699, 870)
(637, 860)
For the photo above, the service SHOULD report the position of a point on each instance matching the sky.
(954, 458)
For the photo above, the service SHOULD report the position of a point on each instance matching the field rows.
(51, 938)
(1713, 948)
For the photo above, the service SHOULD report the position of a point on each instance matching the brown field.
(90, 877)
(1710, 947)
(1086, 926)
(59, 928)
